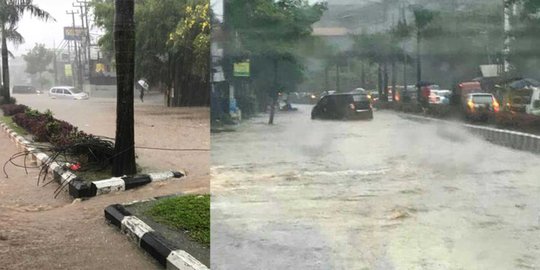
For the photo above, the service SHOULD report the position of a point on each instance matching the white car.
(67, 92)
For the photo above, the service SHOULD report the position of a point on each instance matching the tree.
(190, 42)
(11, 12)
(267, 32)
(124, 44)
(524, 50)
(157, 58)
(422, 20)
(38, 60)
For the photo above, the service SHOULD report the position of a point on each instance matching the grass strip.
(9, 122)
(190, 213)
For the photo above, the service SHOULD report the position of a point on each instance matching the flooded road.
(40, 232)
(383, 194)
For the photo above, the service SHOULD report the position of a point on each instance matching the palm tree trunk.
(363, 75)
(418, 66)
(394, 80)
(5, 67)
(379, 81)
(274, 93)
(337, 79)
(404, 71)
(124, 39)
(326, 78)
(385, 82)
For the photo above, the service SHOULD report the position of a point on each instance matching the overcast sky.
(52, 33)
(49, 33)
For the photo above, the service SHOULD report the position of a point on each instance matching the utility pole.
(83, 5)
(509, 11)
(82, 26)
(77, 54)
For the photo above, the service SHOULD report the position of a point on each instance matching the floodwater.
(40, 232)
(384, 194)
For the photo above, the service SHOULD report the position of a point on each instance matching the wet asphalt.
(383, 194)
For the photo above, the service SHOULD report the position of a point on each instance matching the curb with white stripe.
(79, 188)
(150, 241)
(56, 171)
(513, 139)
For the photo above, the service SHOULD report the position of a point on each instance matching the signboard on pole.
(241, 69)
(68, 72)
(489, 70)
(74, 33)
(94, 52)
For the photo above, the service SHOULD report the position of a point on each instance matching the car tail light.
(496, 106)
(352, 106)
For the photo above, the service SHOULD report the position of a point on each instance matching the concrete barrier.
(509, 138)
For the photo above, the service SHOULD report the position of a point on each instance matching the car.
(24, 89)
(439, 97)
(67, 92)
(351, 105)
(480, 106)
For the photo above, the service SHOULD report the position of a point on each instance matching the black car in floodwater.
(24, 89)
(353, 105)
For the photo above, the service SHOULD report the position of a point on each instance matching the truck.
(523, 100)
(466, 88)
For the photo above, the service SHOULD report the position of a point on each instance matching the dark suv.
(343, 106)
(24, 89)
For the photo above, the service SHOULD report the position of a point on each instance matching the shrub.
(12, 109)
(61, 134)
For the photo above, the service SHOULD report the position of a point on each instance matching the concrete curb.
(150, 241)
(513, 139)
(79, 188)
(39, 158)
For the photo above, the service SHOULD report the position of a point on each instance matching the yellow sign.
(241, 69)
(67, 70)
(100, 68)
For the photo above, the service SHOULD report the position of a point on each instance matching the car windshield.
(75, 90)
(482, 99)
(358, 98)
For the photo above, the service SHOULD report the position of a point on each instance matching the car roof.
(480, 94)
(62, 87)
(348, 93)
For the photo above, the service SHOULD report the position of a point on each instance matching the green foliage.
(269, 33)
(189, 213)
(524, 50)
(8, 120)
(38, 59)
(193, 34)
(422, 17)
(11, 12)
(172, 42)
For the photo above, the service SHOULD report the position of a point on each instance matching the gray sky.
(50, 33)
(37, 31)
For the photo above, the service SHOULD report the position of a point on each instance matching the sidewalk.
(40, 232)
